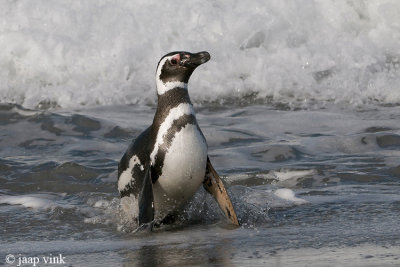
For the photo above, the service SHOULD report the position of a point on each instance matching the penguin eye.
(174, 61)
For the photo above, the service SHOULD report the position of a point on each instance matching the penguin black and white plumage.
(167, 163)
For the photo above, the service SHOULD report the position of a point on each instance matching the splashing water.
(300, 54)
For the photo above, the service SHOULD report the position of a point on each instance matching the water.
(299, 105)
(104, 52)
(303, 183)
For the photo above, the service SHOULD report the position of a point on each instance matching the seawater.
(299, 105)
(303, 182)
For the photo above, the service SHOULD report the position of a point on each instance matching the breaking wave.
(105, 52)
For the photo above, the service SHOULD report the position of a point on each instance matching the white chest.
(183, 171)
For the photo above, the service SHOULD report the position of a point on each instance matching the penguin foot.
(146, 227)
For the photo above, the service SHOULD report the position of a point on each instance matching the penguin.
(168, 162)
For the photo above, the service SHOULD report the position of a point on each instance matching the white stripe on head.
(162, 87)
(174, 114)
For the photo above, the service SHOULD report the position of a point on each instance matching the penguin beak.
(195, 60)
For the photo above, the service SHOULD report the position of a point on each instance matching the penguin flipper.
(213, 185)
(146, 199)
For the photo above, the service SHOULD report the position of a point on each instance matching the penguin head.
(174, 69)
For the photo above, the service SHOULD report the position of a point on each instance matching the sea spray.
(104, 53)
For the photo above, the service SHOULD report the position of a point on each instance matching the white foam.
(288, 194)
(105, 52)
(128, 213)
(284, 175)
(29, 201)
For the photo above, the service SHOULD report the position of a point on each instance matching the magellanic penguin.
(166, 164)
